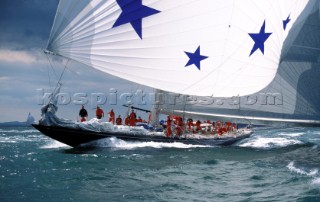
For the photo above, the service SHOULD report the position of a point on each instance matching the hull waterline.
(76, 137)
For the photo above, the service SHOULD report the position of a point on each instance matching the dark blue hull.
(77, 137)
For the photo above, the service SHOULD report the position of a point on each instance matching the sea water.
(271, 165)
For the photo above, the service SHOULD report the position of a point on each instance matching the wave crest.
(263, 142)
(114, 142)
(292, 168)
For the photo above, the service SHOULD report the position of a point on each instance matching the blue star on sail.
(259, 39)
(133, 12)
(195, 58)
(286, 22)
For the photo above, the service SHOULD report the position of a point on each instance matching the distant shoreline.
(14, 124)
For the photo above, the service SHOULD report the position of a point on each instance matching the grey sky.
(25, 29)
(26, 24)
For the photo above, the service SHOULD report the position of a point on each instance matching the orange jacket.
(111, 113)
(133, 119)
(119, 121)
(99, 112)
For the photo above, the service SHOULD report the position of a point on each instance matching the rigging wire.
(50, 85)
(52, 66)
(58, 83)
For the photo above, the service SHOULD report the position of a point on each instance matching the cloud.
(20, 56)
(4, 78)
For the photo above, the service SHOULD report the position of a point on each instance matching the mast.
(155, 111)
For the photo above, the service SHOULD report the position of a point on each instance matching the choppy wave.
(316, 181)
(269, 142)
(20, 138)
(291, 134)
(19, 131)
(54, 144)
(114, 142)
(312, 173)
(293, 168)
(121, 144)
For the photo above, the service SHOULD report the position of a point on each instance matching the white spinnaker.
(83, 31)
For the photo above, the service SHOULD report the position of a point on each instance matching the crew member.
(139, 119)
(224, 129)
(149, 118)
(133, 117)
(179, 127)
(235, 127)
(99, 113)
(83, 114)
(228, 126)
(119, 120)
(127, 120)
(111, 116)
(190, 123)
(198, 125)
(169, 131)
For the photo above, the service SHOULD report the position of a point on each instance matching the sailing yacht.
(230, 60)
